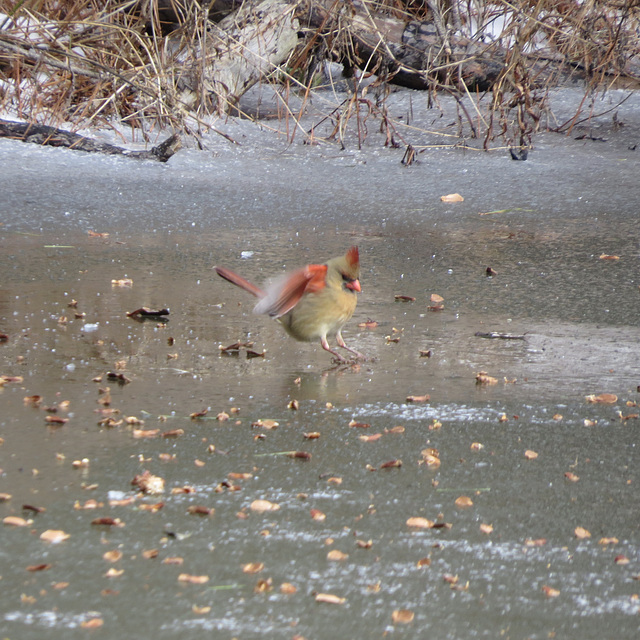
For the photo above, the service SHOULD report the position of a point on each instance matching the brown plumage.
(313, 302)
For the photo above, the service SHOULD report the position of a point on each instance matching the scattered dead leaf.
(122, 282)
(266, 424)
(318, 515)
(288, 589)
(107, 521)
(391, 464)
(372, 438)
(464, 502)
(329, 598)
(402, 616)
(419, 522)
(423, 562)
(337, 556)
(311, 435)
(606, 256)
(452, 197)
(200, 510)
(572, 477)
(192, 579)
(416, 399)
(92, 623)
(530, 455)
(253, 567)
(39, 567)
(482, 377)
(486, 528)
(581, 533)
(359, 425)
(263, 506)
(148, 483)
(621, 560)
(602, 398)
(606, 541)
(112, 556)
(145, 312)
(54, 536)
(550, 592)
(401, 298)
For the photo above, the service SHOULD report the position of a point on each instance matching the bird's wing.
(239, 281)
(285, 293)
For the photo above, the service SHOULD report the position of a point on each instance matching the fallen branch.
(46, 135)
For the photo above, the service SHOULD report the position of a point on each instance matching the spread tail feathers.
(239, 281)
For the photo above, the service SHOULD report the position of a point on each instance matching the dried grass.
(93, 63)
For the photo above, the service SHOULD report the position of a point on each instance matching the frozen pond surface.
(262, 207)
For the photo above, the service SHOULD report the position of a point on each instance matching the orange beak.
(354, 286)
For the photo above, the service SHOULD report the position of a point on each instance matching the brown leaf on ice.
(397, 429)
(263, 506)
(622, 560)
(145, 312)
(4, 337)
(372, 438)
(113, 573)
(95, 234)
(174, 561)
(318, 515)
(299, 455)
(32, 401)
(486, 528)
(238, 475)
(572, 477)
(605, 541)
(112, 556)
(482, 377)
(418, 522)
(425, 353)
(359, 425)
(266, 424)
(606, 256)
(452, 197)
(550, 592)
(530, 455)
(139, 434)
(288, 589)
(153, 508)
(34, 509)
(581, 533)
(150, 554)
(401, 298)
(263, 586)
(54, 536)
(369, 324)
(431, 457)
(110, 522)
(334, 480)
(364, 544)
(337, 556)
(391, 464)
(424, 398)
(5, 496)
(122, 282)
(477, 446)
(38, 567)
(148, 483)
(311, 435)
(200, 510)
(253, 567)
(294, 405)
(199, 414)
(423, 562)
(256, 354)
(92, 623)
(173, 433)
(402, 616)
(464, 502)
(11, 379)
(191, 579)
(602, 398)
(56, 420)
(589, 423)
(183, 490)
(535, 542)
(329, 598)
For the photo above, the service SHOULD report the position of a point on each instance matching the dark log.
(46, 135)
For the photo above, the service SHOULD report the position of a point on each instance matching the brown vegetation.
(174, 63)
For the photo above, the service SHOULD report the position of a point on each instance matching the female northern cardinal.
(312, 302)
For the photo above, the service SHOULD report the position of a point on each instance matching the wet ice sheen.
(259, 209)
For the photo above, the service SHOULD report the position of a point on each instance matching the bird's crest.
(353, 256)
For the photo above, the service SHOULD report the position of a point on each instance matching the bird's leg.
(341, 343)
(326, 347)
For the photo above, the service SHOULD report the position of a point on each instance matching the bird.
(312, 302)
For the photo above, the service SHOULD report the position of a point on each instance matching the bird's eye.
(346, 278)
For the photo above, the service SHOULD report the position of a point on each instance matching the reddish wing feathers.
(239, 281)
(285, 294)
